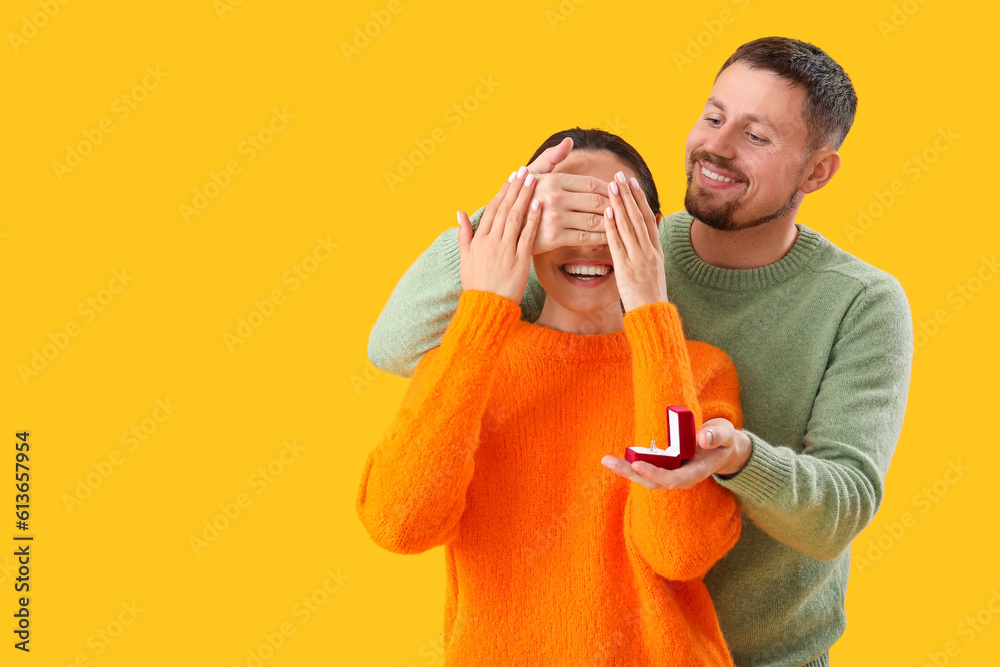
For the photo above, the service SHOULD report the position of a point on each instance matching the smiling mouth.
(715, 176)
(583, 272)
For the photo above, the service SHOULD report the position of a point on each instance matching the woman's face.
(583, 295)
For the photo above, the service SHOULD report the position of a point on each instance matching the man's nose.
(721, 142)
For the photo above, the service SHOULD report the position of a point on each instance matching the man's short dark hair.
(830, 98)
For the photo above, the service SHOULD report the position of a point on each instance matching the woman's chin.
(588, 307)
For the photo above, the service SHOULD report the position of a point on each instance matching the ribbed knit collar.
(683, 254)
(538, 341)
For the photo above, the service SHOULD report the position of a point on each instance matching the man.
(823, 342)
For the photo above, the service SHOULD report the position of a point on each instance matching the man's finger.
(715, 433)
(578, 202)
(579, 183)
(692, 472)
(624, 468)
(707, 439)
(551, 156)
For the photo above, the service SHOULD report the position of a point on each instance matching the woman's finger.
(527, 240)
(623, 224)
(516, 216)
(618, 254)
(500, 219)
(647, 212)
(486, 221)
(635, 215)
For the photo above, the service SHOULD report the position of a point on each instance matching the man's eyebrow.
(753, 118)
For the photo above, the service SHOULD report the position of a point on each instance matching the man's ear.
(823, 164)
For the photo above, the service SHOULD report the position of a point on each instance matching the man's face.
(745, 156)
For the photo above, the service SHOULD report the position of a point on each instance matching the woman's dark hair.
(599, 140)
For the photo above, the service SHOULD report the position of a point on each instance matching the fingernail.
(511, 177)
(529, 180)
(521, 172)
(534, 204)
(458, 214)
(621, 177)
(635, 183)
(609, 214)
(708, 437)
(614, 187)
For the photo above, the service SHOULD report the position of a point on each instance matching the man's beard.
(720, 217)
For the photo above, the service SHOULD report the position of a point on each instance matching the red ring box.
(680, 424)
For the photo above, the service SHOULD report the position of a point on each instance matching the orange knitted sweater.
(551, 558)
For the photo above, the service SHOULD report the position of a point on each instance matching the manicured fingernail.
(635, 183)
(609, 214)
(708, 437)
(534, 204)
(458, 214)
(614, 187)
(621, 177)
(529, 180)
(521, 172)
(511, 177)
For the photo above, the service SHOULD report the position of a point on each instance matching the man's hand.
(721, 450)
(572, 206)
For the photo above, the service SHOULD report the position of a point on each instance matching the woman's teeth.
(583, 272)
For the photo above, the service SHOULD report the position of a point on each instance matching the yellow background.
(303, 374)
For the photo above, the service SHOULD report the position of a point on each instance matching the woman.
(496, 450)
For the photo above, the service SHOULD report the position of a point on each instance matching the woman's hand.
(498, 257)
(635, 245)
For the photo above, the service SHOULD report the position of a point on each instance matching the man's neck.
(746, 248)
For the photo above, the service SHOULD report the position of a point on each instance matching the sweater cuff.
(645, 326)
(765, 475)
(483, 321)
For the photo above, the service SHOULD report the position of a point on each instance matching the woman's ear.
(659, 216)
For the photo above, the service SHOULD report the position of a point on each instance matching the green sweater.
(823, 344)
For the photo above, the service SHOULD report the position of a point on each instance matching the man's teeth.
(580, 269)
(715, 176)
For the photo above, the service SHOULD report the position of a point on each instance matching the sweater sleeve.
(414, 483)
(818, 500)
(681, 533)
(424, 301)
